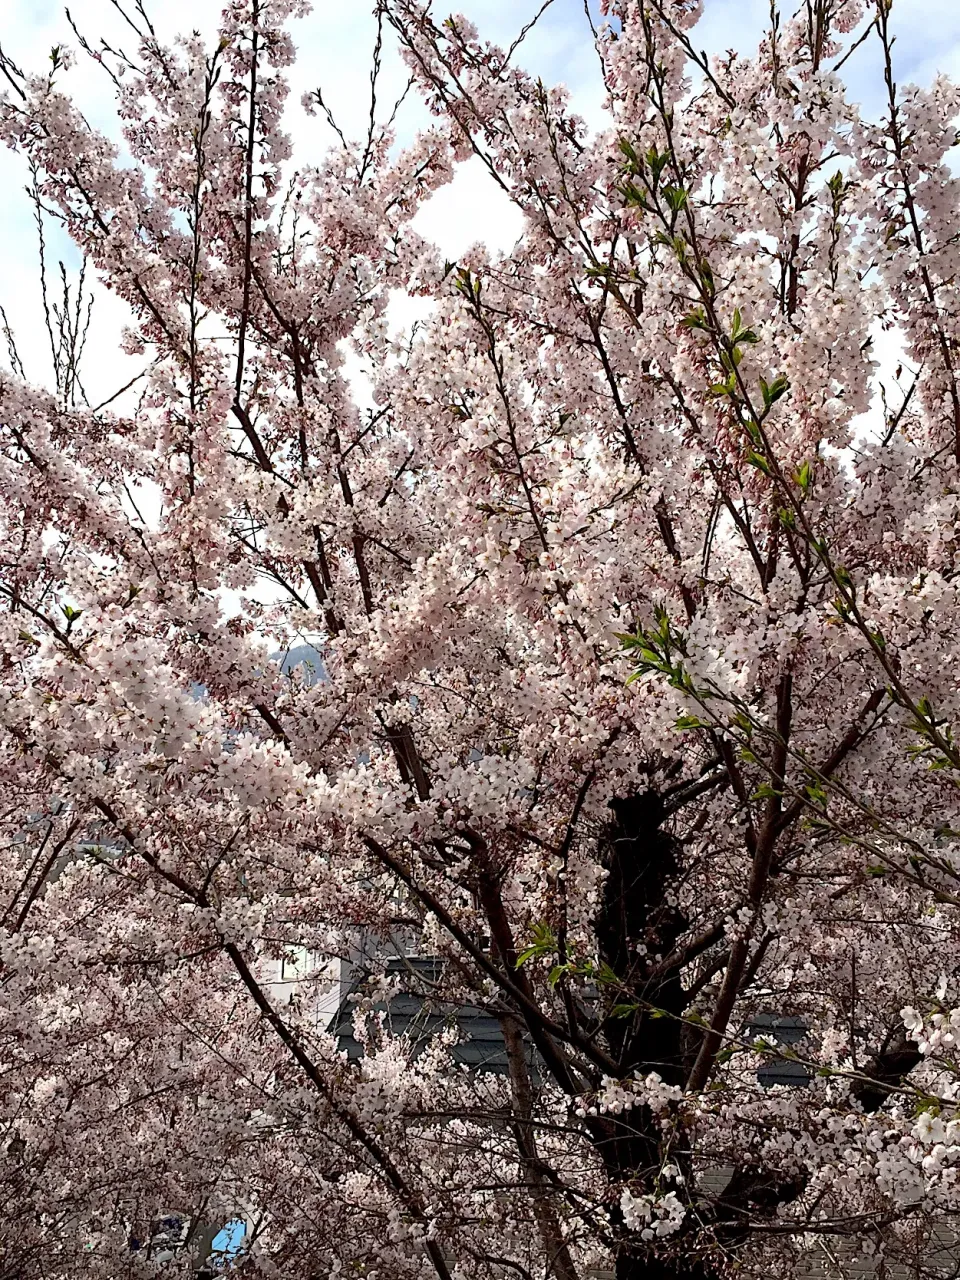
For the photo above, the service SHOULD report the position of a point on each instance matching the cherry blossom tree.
(634, 584)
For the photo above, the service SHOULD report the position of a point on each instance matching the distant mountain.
(305, 655)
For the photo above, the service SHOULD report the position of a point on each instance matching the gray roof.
(479, 1046)
(782, 1030)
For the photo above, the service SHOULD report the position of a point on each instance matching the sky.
(334, 45)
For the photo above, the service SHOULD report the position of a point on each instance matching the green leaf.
(627, 149)
(697, 319)
(656, 162)
(766, 792)
(804, 475)
(816, 793)
(814, 824)
(634, 197)
(468, 284)
(544, 943)
(689, 722)
(624, 1010)
(739, 334)
(653, 658)
(723, 388)
(772, 391)
(759, 461)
